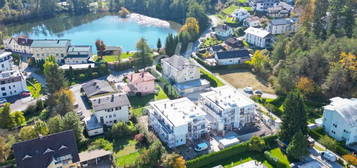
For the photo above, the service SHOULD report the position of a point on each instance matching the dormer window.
(63, 147)
(27, 157)
(48, 150)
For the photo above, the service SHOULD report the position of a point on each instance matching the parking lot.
(81, 101)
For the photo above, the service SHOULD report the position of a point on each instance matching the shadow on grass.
(141, 101)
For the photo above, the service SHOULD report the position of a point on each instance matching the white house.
(232, 57)
(6, 61)
(180, 69)
(257, 37)
(42, 49)
(282, 26)
(279, 11)
(263, 5)
(177, 121)
(12, 83)
(78, 54)
(252, 21)
(227, 109)
(110, 109)
(20, 44)
(340, 119)
(223, 31)
(241, 14)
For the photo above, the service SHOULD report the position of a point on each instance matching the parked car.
(258, 92)
(329, 156)
(25, 94)
(3, 101)
(201, 147)
(248, 90)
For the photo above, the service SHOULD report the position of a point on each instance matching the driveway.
(19, 103)
(83, 105)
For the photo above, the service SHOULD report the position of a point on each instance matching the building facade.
(78, 54)
(12, 83)
(340, 119)
(252, 21)
(142, 83)
(6, 61)
(41, 49)
(223, 31)
(263, 5)
(282, 26)
(232, 57)
(227, 109)
(180, 69)
(241, 14)
(20, 44)
(258, 37)
(177, 121)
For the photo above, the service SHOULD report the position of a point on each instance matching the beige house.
(42, 49)
(180, 69)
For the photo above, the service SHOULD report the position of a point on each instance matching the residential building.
(6, 61)
(12, 83)
(78, 54)
(142, 83)
(241, 14)
(52, 151)
(180, 69)
(232, 57)
(227, 109)
(112, 50)
(97, 87)
(42, 49)
(223, 31)
(252, 21)
(280, 11)
(216, 48)
(340, 119)
(19, 44)
(96, 158)
(251, 164)
(233, 43)
(110, 109)
(258, 37)
(282, 26)
(177, 121)
(263, 5)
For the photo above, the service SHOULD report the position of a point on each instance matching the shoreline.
(149, 21)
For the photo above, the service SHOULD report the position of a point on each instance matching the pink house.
(141, 83)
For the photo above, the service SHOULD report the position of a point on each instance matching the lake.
(86, 29)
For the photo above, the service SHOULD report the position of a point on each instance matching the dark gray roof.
(233, 54)
(217, 48)
(40, 152)
(283, 21)
(178, 62)
(62, 43)
(112, 48)
(97, 87)
(79, 51)
(110, 101)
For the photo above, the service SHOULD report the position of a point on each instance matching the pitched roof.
(79, 51)
(233, 54)
(40, 152)
(140, 77)
(217, 48)
(233, 42)
(178, 62)
(283, 21)
(97, 87)
(110, 101)
(61, 43)
(257, 32)
(23, 40)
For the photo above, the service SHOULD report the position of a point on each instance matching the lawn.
(214, 81)
(276, 152)
(248, 8)
(231, 20)
(242, 1)
(230, 9)
(241, 78)
(210, 42)
(113, 58)
(125, 152)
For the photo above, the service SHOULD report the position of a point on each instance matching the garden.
(113, 58)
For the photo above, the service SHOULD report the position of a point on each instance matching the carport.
(96, 158)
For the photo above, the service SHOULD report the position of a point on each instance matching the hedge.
(210, 158)
(274, 160)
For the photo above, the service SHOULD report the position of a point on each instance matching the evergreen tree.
(298, 147)
(294, 117)
(158, 45)
(143, 55)
(55, 80)
(41, 128)
(5, 120)
(349, 21)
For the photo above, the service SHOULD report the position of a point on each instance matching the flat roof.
(61, 43)
(77, 66)
(93, 154)
(251, 164)
(4, 53)
(257, 32)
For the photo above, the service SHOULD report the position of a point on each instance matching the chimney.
(112, 100)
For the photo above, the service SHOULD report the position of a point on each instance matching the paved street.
(20, 104)
(83, 106)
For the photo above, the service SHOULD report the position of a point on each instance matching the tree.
(170, 44)
(349, 20)
(119, 56)
(54, 76)
(306, 86)
(5, 149)
(41, 128)
(151, 156)
(64, 101)
(55, 124)
(35, 90)
(173, 161)
(192, 27)
(350, 158)
(124, 12)
(17, 119)
(256, 144)
(298, 147)
(143, 55)
(294, 117)
(72, 121)
(27, 133)
(5, 120)
(100, 48)
(158, 45)
(260, 61)
(121, 129)
(197, 11)
(101, 143)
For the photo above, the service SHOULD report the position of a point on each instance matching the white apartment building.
(112, 108)
(282, 26)
(241, 14)
(257, 37)
(227, 109)
(42, 49)
(6, 61)
(11, 83)
(340, 119)
(176, 121)
(78, 54)
(180, 69)
(20, 44)
(263, 5)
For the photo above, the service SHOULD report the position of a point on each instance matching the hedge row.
(210, 158)
(274, 161)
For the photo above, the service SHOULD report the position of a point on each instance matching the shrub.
(351, 159)
(101, 143)
(122, 129)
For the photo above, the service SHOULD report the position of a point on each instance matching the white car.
(201, 147)
(258, 92)
(248, 89)
(329, 156)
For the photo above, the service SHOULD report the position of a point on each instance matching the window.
(2, 88)
(335, 125)
(333, 132)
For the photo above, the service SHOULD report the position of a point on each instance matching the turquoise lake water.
(85, 30)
